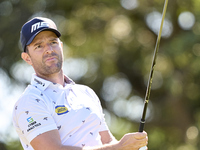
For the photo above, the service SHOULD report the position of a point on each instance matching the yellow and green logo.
(61, 109)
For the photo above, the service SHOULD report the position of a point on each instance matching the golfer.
(54, 113)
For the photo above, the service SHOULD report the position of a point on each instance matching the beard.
(45, 69)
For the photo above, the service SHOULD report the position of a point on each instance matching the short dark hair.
(26, 50)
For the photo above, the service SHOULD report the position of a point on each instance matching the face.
(45, 54)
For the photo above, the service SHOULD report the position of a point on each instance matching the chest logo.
(61, 109)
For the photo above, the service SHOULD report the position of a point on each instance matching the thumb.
(140, 135)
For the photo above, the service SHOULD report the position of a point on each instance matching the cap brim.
(45, 29)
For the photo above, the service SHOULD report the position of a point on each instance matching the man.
(54, 113)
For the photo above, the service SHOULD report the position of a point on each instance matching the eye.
(38, 46)
(54, 42)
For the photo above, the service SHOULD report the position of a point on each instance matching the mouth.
(50, 58)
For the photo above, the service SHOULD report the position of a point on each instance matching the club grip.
(141, 127)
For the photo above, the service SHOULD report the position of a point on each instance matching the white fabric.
(74, 110)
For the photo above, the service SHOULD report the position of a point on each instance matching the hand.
(133, 141)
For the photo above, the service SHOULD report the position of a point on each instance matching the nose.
(48, 48)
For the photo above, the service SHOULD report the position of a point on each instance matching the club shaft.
(142, 122)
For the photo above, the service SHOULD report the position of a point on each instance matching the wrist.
(115, 146)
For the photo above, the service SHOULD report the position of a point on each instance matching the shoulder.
(30, 102)
(81, 86)
(31, 90)
(31, 96)
(84, 88)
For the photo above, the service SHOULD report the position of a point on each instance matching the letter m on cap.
(35, 26)
(38, 25)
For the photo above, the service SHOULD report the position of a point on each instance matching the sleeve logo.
(61, 109)
(32, 124)
(30, 120)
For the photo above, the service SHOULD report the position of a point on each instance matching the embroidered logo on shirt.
(32, 124)
(61, 109)
(39, 82)
(30, 120)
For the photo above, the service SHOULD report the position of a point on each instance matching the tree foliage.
(114, 43)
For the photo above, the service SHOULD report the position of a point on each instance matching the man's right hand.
(133, 141)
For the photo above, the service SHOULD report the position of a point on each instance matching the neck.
(55, 78)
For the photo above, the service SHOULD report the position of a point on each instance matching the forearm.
(51, 141)
(111, 146)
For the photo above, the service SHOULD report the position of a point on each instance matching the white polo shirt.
(74, 110)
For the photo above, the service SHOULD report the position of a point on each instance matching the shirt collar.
(42, 84)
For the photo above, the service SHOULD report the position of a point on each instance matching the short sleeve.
(31, 117)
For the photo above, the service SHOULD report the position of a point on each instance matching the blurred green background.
(108, 45)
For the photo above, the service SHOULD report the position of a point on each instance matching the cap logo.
(38, 25)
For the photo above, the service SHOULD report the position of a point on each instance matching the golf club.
(142, 122)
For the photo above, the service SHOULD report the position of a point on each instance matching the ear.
(26, 58)
(61, 43)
